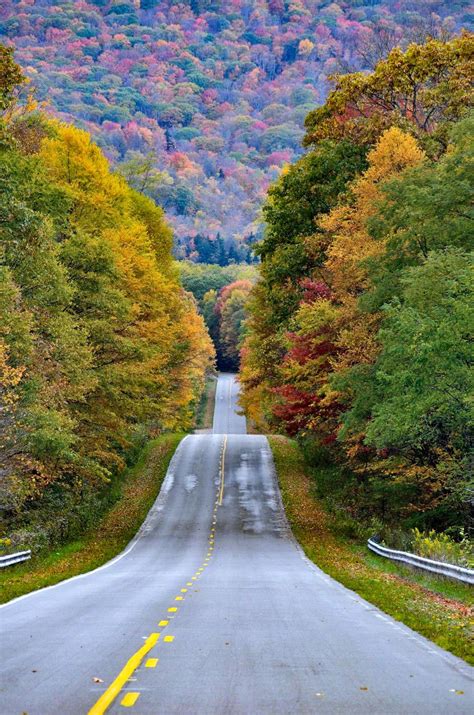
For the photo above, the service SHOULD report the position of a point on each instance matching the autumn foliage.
(359, 337)
(202, 102)
(100, 346)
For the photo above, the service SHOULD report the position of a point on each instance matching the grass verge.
(139, 489)
(436, 608)
(205, 410)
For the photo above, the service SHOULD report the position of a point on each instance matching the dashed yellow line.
(129, 699)
(107, 698)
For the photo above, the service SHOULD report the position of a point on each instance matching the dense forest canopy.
(222, 295)
(100, 346)
(360, 336)
(200, 103)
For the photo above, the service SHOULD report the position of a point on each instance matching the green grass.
(437, 608)
(205, 410)
(139, 488)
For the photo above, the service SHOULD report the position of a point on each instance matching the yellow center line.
(221, 492)
(114, 689)
(107, 698)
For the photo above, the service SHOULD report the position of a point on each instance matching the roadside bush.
(442, 547)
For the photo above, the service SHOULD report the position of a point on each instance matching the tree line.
(100, 346)
(222, 295)
(360, 336)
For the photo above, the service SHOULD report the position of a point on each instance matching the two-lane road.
(227, 419)
(213, 609)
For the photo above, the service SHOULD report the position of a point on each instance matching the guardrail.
(12, 559)
(449, 570)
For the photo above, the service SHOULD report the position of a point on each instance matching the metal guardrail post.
(459, 573)
(12, 559)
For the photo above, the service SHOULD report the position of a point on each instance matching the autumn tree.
(230, 309)
(99, 344)
(304, 193)
(346, 320)
(422, 89)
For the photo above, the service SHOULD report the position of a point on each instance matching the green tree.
(416, 401)
(428, 208)
(304, 192)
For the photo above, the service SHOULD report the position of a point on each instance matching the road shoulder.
(395, 590)
(139, 489)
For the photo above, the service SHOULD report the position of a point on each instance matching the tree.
(304, 192)
(99, 344)
(417, 403)
(330, 333)
(11, 78)
(231, 311)
(296, 202)
(423, 90)
(427, 208)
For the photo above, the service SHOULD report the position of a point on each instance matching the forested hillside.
(202, 102)
(100, 346)
(360, 340)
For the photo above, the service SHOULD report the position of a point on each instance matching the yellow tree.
(145, 330)
(350, 246)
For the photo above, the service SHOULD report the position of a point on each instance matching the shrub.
(442, 547)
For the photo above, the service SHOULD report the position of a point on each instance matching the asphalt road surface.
(213, 609)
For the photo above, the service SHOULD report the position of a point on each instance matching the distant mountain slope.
(203, 101)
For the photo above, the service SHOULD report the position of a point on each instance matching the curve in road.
(213, 609)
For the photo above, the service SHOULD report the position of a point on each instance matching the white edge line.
(113, 561)
(461, 666)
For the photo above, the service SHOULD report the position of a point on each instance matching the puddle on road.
(168, 483)
(257, 497)
(190, 481)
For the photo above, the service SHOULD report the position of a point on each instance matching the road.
(213, 610)
(227, 419)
